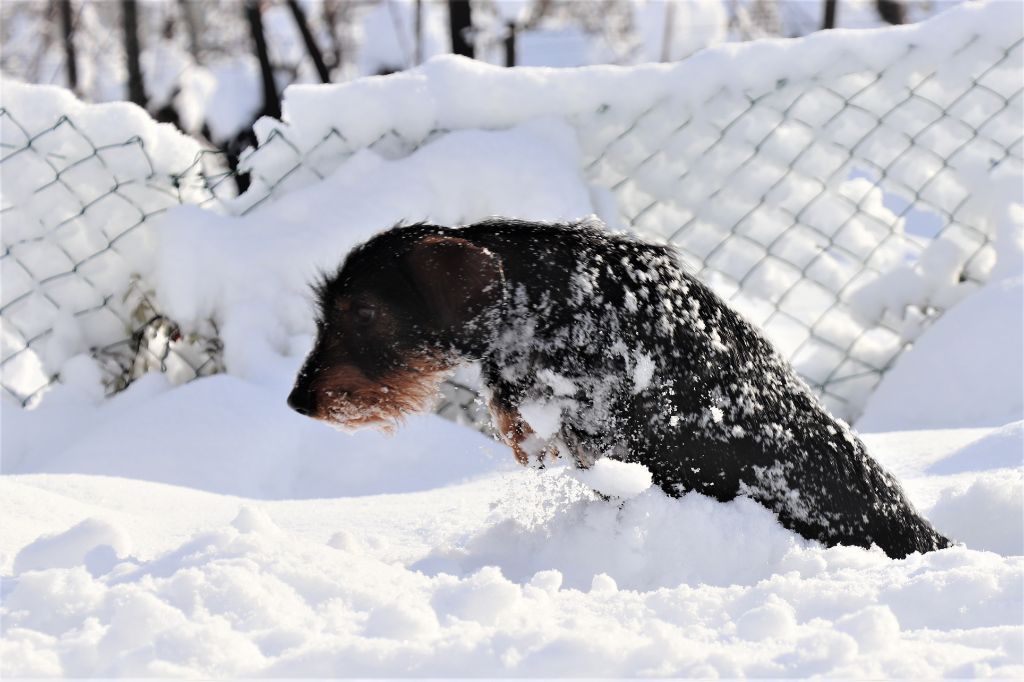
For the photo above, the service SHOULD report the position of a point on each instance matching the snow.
(77, 181)
(995, 496)
(172, 77)
(105, 124)
(85, 544)
(110, 569)
(556, 47)
(446, 88)
(388, 36)
(1003, 448)
(643, 371)
(237, 97)
(206, 530)
(967, 369)
(695, 24)
(543, 416)
(613, 478)
(249, 458)
(205, 261)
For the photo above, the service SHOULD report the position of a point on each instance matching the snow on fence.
(841, 190)
(80, 185)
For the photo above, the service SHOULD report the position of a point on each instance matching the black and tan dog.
(596, 345)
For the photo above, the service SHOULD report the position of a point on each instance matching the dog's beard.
(351, 401)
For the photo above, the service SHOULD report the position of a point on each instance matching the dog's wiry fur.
(636, 360)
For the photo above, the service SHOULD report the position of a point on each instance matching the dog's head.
(403, 309)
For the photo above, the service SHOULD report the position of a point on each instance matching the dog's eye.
(365, 313)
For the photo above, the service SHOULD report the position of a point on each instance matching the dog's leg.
(515, 433)
(511, 428)
(574, 445)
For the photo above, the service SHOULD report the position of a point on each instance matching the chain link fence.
(75, 214)
(839, 211)
(806, 205)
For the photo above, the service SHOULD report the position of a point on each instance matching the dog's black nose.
(302, 401)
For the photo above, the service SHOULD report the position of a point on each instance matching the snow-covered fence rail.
(841, 190)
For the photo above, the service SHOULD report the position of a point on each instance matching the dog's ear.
(457, 279)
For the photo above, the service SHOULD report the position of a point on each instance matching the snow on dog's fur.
(597, 345)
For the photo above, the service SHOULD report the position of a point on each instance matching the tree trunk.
(418, 30)
(329, 8)
(136, 88)
(307, 37)
(188, 14)
(830, 14)
(70, 60)
(271, 100)
(510, 44)
(666, 38)
(460, 19)
(892, 11)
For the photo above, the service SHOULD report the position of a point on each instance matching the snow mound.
(444, 93)
(241, 439)
(966, 370)
(207, 264)
(613, 478)
(550, 521)
(516, 572)
(987, 515)
(249, 598)
(1003, 448)
(78, 184)
(92, 543)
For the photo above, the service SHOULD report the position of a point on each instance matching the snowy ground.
(206, 530)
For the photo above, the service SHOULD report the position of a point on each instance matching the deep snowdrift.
(206, 530)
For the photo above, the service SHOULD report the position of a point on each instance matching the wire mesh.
(798, 203)
(806, 203)
(76, 216)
